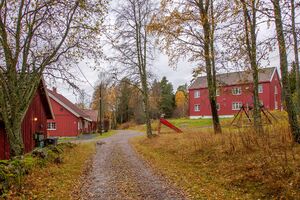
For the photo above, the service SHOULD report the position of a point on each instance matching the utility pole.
(100, 110)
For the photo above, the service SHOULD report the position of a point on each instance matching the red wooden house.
(234, 90)
(70, 120)
(35, 121)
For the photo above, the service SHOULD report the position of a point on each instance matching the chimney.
(54, 89)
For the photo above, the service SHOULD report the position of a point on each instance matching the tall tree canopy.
(36, 38)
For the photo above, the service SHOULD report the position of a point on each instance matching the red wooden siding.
(66, 122)
(226, 98)
(30, 126)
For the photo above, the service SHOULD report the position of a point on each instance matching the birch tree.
(290, 107)
(249, 10)
(132, 46)
(187, 30)
(39, 37)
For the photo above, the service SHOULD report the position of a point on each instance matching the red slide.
(168, 124)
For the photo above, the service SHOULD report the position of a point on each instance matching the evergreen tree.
(167, 101)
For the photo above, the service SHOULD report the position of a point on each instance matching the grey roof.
(235, 78)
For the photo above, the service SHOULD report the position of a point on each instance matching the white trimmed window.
(51, 126)
(276, 105)
(217, 92)
(197, 94)
(260, 88)
(218, 106)
(275, 90)
(197, 107)
(236, 105)
(236, 91)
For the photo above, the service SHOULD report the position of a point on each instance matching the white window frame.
(236, 91)
(275, 90)
(236, 105)
(218, 92)
(218, 106)
(197, 94)
(197, 106)
(260, 88)
(51, 126)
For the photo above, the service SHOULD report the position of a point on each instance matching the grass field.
(237, 164)
(59, 181)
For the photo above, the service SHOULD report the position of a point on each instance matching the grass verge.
(56, 181)
(237, 164)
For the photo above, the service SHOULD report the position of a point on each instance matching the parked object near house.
(70, 120)
(34, 125)
(234, 90)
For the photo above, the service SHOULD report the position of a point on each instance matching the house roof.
(43, 87)
(93, 114)
(63, 101)
(236, 78)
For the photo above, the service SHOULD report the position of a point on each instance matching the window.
(236, 105)
(236, 91)
(260, 88)
(51, 126)
(197, 94)
(217, 92)
(218, 106)
(275, 90)
(197, 107)
(276, 105)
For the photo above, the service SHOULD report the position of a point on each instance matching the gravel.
(118, 172)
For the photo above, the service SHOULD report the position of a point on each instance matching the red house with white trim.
(70, 121)
(234, 90)
(34, 122)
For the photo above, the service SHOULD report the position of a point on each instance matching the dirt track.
(118, 173)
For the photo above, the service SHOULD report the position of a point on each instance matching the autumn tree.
(132, 47)
(181, 101)
(296, 49)
(36, 38)
(187, 29)
(249, 33)
(290, 107)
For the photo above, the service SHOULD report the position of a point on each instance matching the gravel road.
(119, 174)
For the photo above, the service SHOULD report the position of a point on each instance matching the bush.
(13, 171)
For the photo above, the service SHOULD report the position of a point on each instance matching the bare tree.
(39, 37)
(290, 107)
(133, 47)
(187, 29)
(296, 54)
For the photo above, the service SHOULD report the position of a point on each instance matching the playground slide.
(168, 124)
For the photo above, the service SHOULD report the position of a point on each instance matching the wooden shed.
(35, 121)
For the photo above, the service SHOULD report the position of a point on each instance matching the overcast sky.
(181, 75)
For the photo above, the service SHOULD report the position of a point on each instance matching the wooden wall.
(35, 121)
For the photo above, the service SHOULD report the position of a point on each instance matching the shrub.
(13, 171)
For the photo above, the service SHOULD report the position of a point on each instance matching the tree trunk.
(14, 135)
(210, 71)
(250, 36)
(296, 53)
(284, 72)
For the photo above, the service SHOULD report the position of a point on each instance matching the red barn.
(70, 120)
(35, 121)
(234, 90)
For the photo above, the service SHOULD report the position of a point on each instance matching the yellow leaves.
(180, 99)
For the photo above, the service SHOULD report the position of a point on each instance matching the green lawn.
(190, 123)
